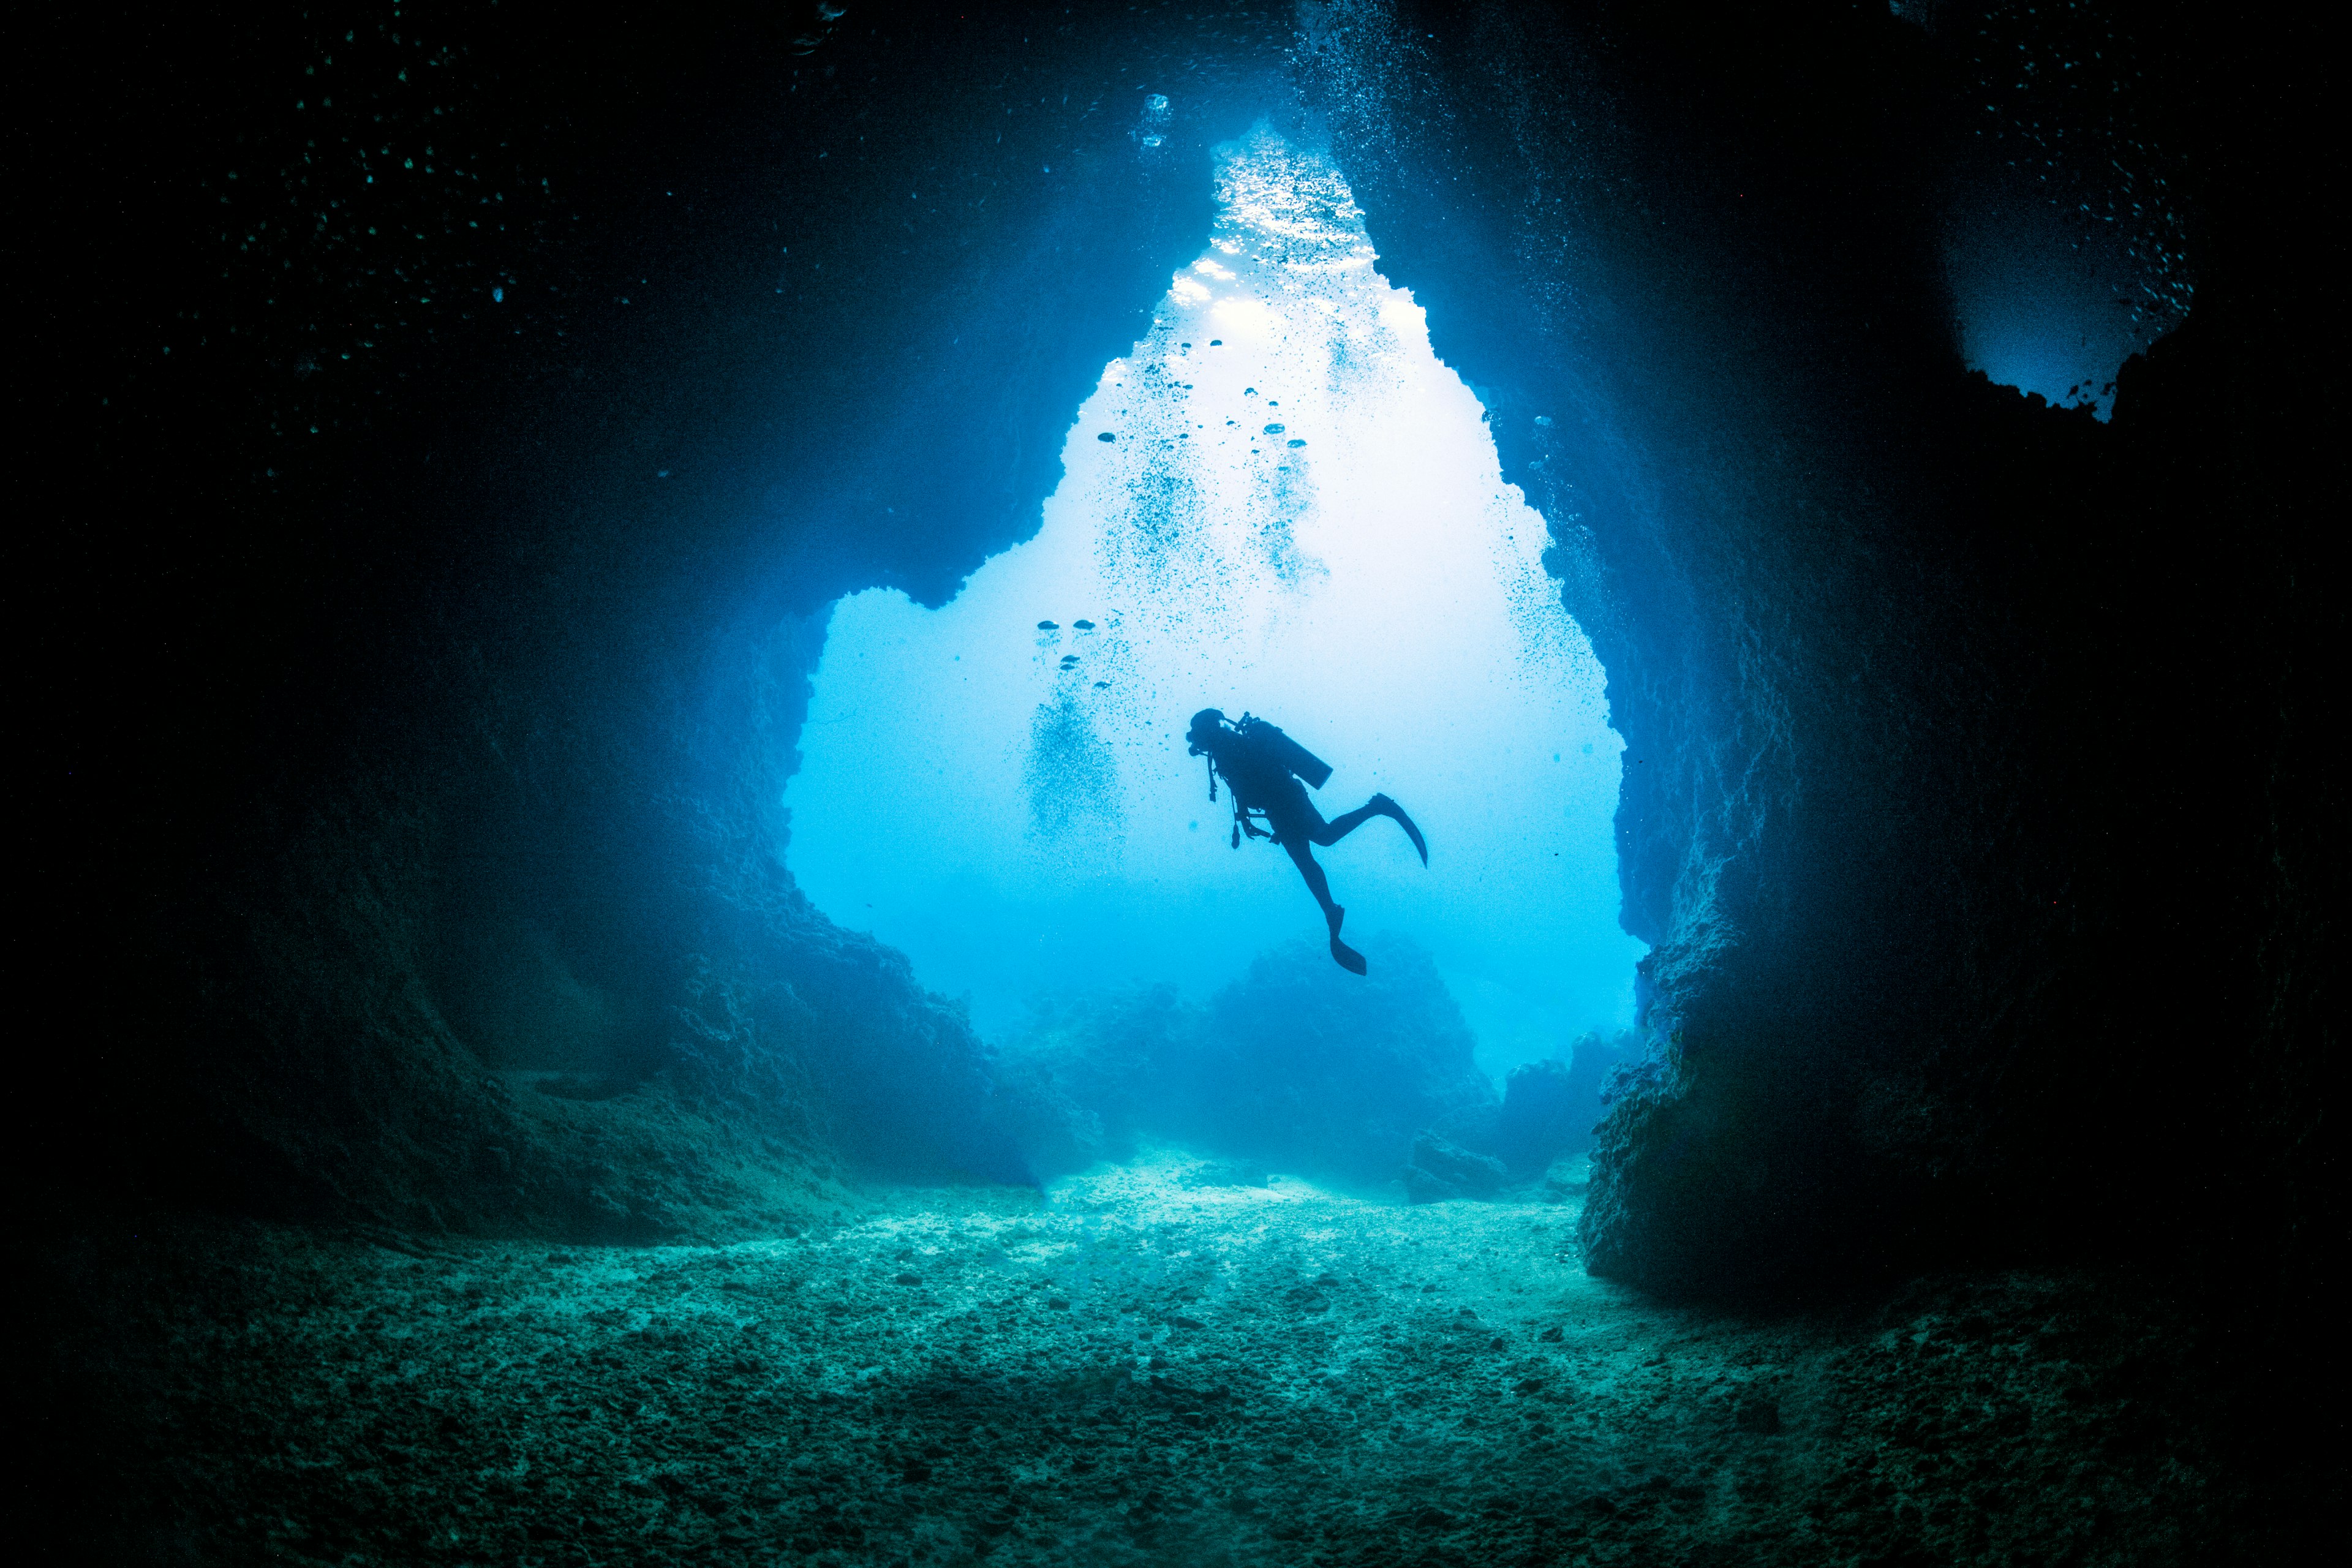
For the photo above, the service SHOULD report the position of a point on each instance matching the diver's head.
(1207, 731)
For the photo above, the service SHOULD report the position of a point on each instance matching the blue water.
(1280, 501)
(2048, 301)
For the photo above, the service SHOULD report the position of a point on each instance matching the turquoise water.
(1280, 501)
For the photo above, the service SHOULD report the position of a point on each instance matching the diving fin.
(1346, 957)
(1391, 809)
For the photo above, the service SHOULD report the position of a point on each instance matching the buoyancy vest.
(1262, 763)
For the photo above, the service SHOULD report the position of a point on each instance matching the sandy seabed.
(1137, 1366)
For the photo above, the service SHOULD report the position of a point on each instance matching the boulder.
(1440, 1171)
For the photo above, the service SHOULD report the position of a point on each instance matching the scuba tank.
(1286, 753)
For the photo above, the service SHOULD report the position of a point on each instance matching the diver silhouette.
(1262, 767)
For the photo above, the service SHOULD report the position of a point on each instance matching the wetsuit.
(1260, 781)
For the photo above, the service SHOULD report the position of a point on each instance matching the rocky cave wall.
(505, 665)
(1959, 948)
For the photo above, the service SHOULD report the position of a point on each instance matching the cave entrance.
(1281, 501)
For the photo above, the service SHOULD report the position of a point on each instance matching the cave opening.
(1280, 501)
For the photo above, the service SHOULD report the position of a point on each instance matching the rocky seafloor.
(1141, 1365)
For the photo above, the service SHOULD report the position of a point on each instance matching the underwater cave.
(660, 963)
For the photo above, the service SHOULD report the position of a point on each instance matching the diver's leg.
(1339, 826)
(1317, 882)
(1379, 805)
(1347, 957)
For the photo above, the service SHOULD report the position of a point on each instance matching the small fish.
(1068, 659)
(1102, 686)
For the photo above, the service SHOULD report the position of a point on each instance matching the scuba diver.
(1262, 767)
